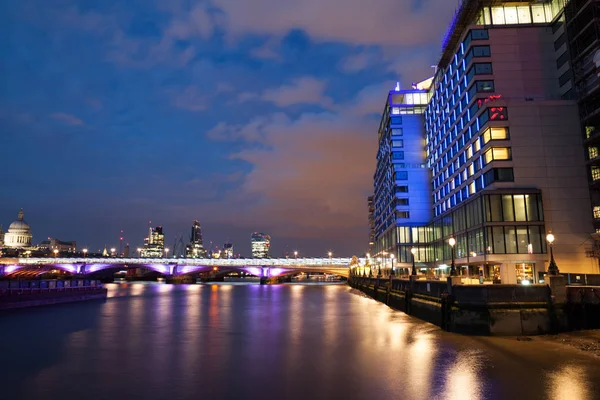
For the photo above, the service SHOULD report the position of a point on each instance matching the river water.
(228, 341)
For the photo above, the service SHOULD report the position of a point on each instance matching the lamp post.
(85, 253)
(139, 252)
(295, 253)
(166, 253)
(413, 271)
(452, 242)
(55, 253)
(392, 258)
(330, 254)
(552, 268)
(112, 251)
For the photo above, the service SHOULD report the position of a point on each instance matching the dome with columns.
(18, 234)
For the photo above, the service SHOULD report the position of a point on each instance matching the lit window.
(597, 212)
(472, 188)
(395, 110)
(593, 152)
(477, 146)
(588, 131)
(538, 13)
(469, 152)
(524, 14)
(471, 169)
(510, 15)
(495, 134)
(595, 173)
(497, 154)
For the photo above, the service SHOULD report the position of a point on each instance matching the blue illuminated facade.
(501, 150)
(401, 181)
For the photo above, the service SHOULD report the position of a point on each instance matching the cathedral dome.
(18, 234)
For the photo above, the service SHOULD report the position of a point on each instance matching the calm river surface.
(226, 341)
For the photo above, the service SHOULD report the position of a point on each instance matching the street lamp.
(55, 252)
(330, 254)
(139, 252)
(295, 253)
(452, 242)
(112, 251)
(552, 268)
(413, 251)
(85, 252)
(166, 253)
(392, 258)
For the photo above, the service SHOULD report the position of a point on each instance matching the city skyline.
(125, 114)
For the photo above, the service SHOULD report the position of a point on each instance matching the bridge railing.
(233, 262)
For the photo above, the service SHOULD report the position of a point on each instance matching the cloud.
(310, 174)
(67, 119)
(358, 62)
(190, 99)
(304, 90)
(380, 22)
(268, 51)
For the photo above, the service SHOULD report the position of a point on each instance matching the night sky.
(248, 115)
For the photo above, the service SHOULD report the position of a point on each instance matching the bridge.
(260, 267)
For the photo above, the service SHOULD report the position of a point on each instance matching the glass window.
(510, 238)
(524, 14)
(495, 214)
(402, 202)
(510, 15)
(397, 143)
(507, 208)
(595, 173)
(483, 68)
(597, 212)
(397, 132)
(398, 155)
(531, 207)
(592, 152)
(498, 240)
(498, 15)
(402, 189)
(484, 86)
(396, 120)
(481, 51)
(401, 175)
(519, 202)
(479, 34)
(535, 239)
(537, 12)
(522, 240)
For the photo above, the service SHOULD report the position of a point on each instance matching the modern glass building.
(195, 248)
(261, 245)
(503, 150)
(402, 195)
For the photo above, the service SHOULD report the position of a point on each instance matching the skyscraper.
(154, 244)
(195, 249)
(260, 245)
(228, 250)
(502, 150)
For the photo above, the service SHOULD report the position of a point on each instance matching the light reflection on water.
(270, 342)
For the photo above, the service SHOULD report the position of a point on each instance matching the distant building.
(19, 234)
(228, 250)
(1, 237)
(371, 223)
(261, 244)
(195, 249)
(154, 244)
(54, 244)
